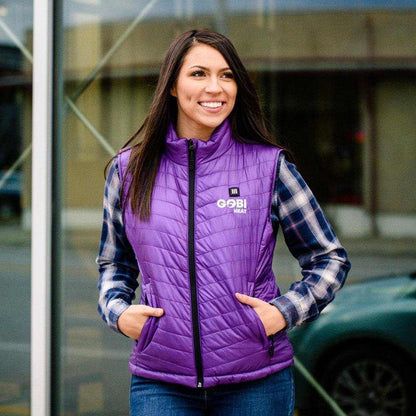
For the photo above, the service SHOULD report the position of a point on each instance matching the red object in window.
(359, 137)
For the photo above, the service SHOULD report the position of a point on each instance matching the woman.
(194, 209)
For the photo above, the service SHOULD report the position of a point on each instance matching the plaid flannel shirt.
(307, 233)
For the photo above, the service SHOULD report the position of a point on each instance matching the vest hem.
(210, 381)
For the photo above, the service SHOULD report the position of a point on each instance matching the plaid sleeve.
(116, 260)
(312, 241)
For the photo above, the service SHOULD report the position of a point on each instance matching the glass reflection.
(309, 66)
(15, 137)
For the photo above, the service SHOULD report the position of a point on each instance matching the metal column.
(41, 208)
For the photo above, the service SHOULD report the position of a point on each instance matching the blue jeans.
(273, 395)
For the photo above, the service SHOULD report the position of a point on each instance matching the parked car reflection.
(362, 350)
(10, 194)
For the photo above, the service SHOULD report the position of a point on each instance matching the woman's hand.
(272, 319)
(132, 320)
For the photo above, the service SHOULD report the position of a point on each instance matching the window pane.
(15, 193)
(312, 63)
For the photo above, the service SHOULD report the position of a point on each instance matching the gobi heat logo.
(239, 205)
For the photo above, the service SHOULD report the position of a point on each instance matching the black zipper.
(192, 274)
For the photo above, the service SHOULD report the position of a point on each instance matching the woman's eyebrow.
(207, 69)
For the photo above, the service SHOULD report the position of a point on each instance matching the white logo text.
(239, 205)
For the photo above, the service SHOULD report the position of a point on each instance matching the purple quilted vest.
(209, 236)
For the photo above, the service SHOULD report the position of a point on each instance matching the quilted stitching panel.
(234, 244)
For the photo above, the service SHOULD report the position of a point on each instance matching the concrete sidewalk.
(369, 257)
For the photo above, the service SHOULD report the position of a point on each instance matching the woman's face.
(205, 90)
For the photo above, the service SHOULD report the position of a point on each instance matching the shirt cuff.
(288, 310)
(116, 307)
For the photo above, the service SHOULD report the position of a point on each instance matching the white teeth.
(211, 104)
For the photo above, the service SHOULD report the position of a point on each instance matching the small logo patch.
(234, 191)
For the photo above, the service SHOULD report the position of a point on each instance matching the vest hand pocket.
(260, 327)
(148, 330)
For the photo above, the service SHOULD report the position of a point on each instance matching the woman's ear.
(173, 92)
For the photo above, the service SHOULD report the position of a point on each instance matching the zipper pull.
(191, 146)
(191, 152)
(271, 348)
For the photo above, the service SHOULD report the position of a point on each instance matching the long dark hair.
(247, 120)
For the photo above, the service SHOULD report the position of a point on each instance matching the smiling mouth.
(211, 104)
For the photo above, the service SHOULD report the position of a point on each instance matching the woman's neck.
(194, 132)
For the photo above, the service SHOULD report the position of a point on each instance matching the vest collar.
(220, 141)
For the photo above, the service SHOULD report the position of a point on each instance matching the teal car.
(362, 350)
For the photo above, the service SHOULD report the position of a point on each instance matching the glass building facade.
(336, 81)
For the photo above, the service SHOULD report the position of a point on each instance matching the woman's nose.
(213, 85)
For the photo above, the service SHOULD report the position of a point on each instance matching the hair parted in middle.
(247, 120)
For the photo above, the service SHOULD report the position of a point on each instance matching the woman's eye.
(198, 74)
(228, 75)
